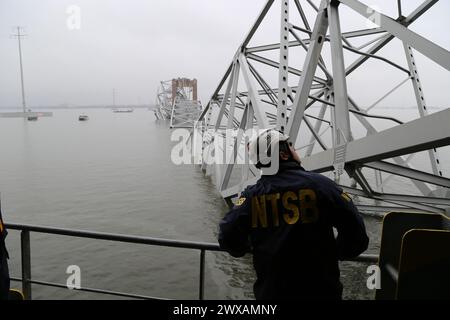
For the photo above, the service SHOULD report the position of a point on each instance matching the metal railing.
(27, 280)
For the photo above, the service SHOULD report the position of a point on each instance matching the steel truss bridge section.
(164, 101)
(185, 113)
(310, 101)
(177, 101)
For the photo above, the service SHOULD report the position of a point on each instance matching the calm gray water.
(113, 174)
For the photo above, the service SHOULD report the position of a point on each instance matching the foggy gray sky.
(132, 45)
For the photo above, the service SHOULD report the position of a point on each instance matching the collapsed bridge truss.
(313, 103)
(177, 101)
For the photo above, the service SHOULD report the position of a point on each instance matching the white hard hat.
(262, 145)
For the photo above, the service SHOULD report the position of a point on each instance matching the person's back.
(287, 221)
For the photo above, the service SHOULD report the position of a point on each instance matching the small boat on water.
(32, 116)
(123, 110)
(83, 117)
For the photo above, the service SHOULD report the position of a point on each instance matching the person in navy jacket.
(287, 221)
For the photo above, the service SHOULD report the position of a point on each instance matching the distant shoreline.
(78, 107)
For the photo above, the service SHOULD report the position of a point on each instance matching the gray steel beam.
(275, 64)
(385, 209)
(362, 33)
(274, 46)
(413, 199)
(248, 168)
(425, 6)
(236, 143)
(421, 104)
(371, 130)
(274, 90)
(321, 61)
(416, 202)
(375, 48)
(318, 125)
(309, 69)
(429, 132)
(302, 14)
(377, 57)
(295, 43)
(315, 134)
(283, 73)
(341, 114)
(359, 178)
(253, 93)
(226, 97)
(258, 21)
(420, 10)
(267, 90)
(418, 206)
(364, 45)
(313, 5)
(235, 80)
(408, 173)
(425, 46)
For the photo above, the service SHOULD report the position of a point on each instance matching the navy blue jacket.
(286, 220)
(4, 272)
